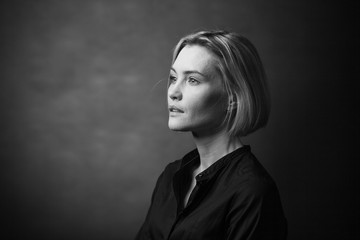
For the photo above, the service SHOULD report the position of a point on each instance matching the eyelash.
(191, 80)
(172, 79)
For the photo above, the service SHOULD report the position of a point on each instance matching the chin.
(177, 127)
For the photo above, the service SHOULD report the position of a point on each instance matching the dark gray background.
(84, 122)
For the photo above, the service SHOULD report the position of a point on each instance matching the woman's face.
(196, 99)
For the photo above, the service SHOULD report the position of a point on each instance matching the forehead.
(195, 57)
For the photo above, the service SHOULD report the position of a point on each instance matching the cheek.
(210, 103)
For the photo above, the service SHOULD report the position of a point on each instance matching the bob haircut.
(244, 78)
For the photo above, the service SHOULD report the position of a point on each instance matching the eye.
(193, 81)
(172, 79)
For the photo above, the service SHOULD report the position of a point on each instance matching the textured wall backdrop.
(84, 123)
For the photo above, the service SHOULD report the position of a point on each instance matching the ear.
(232, 102)
(232, 105)
(232, 98)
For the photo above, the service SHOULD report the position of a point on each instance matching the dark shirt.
(235, 198)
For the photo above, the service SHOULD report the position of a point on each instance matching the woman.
(217, 91)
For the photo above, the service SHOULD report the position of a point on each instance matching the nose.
(175, 92)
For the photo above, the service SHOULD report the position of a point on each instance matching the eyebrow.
(190, 72)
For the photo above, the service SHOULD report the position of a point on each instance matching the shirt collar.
(192, 159)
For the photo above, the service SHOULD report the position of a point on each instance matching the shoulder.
(250, 179)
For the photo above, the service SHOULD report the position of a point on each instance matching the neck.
(212, 148)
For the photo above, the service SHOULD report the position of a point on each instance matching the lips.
(173, 108)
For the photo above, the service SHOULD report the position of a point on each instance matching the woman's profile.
(217, 90)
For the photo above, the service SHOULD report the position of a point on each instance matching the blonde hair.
(243, 75)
